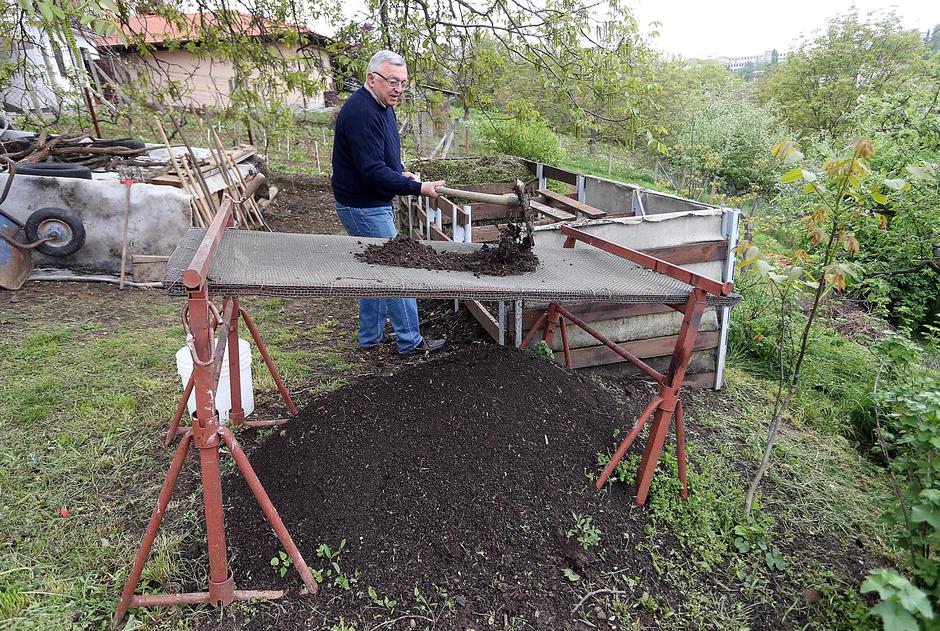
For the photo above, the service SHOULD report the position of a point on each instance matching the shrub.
(726, 138)
(527, 136)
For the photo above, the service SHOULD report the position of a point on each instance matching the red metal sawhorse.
(201, 318)
(667, 402)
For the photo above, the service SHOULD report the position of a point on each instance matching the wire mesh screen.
(308, 265)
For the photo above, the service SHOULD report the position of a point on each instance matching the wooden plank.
(490, 233)
(486, 320)
(575, 206)
(448, 207)
(697, 252)
(481, 211)
(653, 347)
(597, 311)
(554, 213)
(554, 173)
(438, 235)
(700, 381)
(208, 170)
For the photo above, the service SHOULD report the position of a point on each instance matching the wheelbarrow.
(52, 231)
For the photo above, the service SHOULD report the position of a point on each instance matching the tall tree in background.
(820, 85)
(582, 53)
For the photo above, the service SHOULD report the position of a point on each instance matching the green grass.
(820, 489)
(625, 166)
(83, 405)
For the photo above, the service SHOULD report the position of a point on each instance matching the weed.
(281, 562)
(381, 601)
(587, 533)
(542, 350)
(333, 570)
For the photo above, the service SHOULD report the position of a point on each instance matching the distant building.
(208, 81)
(764, 59)
(46, 72)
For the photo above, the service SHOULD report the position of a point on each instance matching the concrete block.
(640, 327)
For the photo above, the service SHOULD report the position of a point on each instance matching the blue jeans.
(403, 312)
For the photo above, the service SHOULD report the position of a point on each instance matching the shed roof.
(156, 29)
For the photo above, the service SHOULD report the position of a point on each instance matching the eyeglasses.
(392, 83)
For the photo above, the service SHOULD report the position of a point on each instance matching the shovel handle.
(508, 199)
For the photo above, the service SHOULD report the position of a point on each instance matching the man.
(367, 174)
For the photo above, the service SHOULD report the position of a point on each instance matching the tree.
(581, 54)
(840, 192)
(820, 85)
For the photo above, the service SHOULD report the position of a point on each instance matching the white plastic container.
(223, 398)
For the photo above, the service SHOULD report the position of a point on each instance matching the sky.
(708, 29)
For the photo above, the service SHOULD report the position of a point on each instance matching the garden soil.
(507, 258)
(461, 474)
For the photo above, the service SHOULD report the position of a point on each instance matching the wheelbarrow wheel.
(67, 231)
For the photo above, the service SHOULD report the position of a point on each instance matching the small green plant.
(281, 562)
(587, 534)
(340, 579)
(542, 350)
(381, 601)
(428, 605)
(902, 603)
(755, 536)
(342, 625)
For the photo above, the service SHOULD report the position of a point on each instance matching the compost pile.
(461, 473)
(511, 256)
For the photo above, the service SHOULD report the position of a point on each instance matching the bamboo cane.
(241, 186)
(184, 182)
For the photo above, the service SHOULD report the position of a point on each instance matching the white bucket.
(223, 399)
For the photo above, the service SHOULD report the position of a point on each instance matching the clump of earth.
(511, 256)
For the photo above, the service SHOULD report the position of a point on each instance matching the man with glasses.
(367, 174)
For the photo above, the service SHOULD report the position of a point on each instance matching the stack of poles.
(193, 181)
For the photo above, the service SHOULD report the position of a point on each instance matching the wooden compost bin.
(697, 236)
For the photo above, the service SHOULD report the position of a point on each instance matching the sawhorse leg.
(236, 413)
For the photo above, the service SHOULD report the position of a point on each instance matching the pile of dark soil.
(461, 473)
(508, 258)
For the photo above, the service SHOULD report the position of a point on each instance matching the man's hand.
(410, 175)
(427, 188)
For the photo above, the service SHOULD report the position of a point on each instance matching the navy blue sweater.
(367, 154)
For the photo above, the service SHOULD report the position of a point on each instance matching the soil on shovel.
(460, 475)
(509, 258)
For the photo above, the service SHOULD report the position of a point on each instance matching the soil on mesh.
(508, 258)
(461, 473)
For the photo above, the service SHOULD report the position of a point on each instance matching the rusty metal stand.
(666, 403)
(236, 414)
(207, 435)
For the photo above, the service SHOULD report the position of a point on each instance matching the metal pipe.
(291, 408)
(627, 441)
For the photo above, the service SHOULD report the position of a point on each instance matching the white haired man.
(367, 174)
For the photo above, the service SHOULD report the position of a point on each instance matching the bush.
(726, 138)
(526, 136)
(908, 436)
(838, 374)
